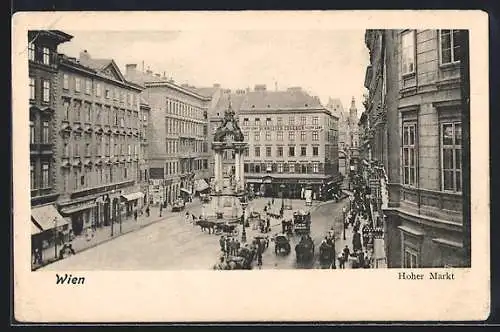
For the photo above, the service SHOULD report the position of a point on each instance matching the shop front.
(201, 186)
(132, 202)
(81, 214)
(47, 226)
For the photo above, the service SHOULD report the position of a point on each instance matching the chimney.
(185, 85)
(216, 85)
(157, 75)
(247, 90)
(260, 87)
(227, 91)
(84, 56)
(149, 72)
(294, 89)
(130, 69)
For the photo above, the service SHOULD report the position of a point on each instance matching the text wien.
(69, 279)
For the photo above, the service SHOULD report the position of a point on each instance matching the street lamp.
(112, 208)
(244, 232)
(343, 220)
(282, 187)
(55, 237)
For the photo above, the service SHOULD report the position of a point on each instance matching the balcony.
(41, 192)
(41, 148)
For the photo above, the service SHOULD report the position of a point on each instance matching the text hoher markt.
(427, 276)
(69, 279)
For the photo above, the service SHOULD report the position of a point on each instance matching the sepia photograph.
(211, 148)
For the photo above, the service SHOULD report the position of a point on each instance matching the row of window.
(279, 151)
(95, 113)
(89, 177)
(279, 136)
(185, 146)
(39, 53)
(44, 138)
(78, 84)
(450, 155)
(279, 121)
(40, 180)
(102, 147)
(449, 49)
(180, 108)
(174, 167)
(34, 87)
(175, 126)
(290, 167)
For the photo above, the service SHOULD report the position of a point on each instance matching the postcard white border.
(319, 295)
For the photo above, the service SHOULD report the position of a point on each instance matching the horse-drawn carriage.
(302, 222)
(261, 242)
(281, 242)
(304, 250)
(242, 261)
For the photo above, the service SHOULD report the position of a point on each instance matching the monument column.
(216, 170)
(237, 168)
(242, 169)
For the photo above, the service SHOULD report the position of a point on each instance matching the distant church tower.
(353, 124)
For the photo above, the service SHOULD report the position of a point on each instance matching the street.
(174, 244)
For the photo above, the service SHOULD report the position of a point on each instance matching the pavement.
(103, 234)
(171, 243)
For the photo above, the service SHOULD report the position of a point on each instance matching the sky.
(326, 63)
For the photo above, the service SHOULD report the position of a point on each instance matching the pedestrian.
(283, 226)
(161, 209)
(187, 217)
(356, 241)
(259, 259)
(147, 211)
(135, 215)
(272, 201)
(268, 225)
(342, 260)
(346, 251)
(222, 243)
(228, 246)
(233, 247)
(238, 244)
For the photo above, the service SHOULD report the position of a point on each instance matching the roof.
(290, 99)
(208, 92)
(223, 103)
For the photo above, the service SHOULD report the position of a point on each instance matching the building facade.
(178, 149)
(348, 136)
(98, 142)
(43, 83)
(144, 113)
(413, 134)
(293, 143)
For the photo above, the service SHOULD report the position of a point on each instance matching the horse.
(326, 255)
(206, 225)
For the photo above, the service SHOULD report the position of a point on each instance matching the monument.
(228, 187)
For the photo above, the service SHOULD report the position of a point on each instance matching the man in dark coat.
(356, 241)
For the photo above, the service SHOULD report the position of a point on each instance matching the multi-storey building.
(413, 125)
(144, 111)
(292, 142)
(177, 136)
(348, 135)
(43, 82)
(98, 142)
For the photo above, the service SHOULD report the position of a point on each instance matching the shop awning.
(71, 210)
(47, 217)
(201, 185)
(133, 196)
(186, 191)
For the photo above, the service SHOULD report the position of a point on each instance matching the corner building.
(292, 143)
(99, 142)
(43, 84)
(413, 129)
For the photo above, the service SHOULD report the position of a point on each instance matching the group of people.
(360, 220)
(229, 245)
